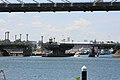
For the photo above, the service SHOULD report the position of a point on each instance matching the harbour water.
(103, 67)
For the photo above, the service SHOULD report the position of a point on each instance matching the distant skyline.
(79, 26)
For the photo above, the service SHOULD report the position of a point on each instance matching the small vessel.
(77, 54)
(106, 51)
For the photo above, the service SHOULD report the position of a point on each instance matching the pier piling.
(84, 73)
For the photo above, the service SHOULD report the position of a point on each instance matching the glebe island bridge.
(51, 6)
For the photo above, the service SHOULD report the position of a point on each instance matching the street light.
(15, 37)
(20, 36)
(7, 35)
(113, 1)
(6, 2)
(3, 1)
(20, 1)
(35, 1)
(26, 37)
(66, 1)
(50, 1)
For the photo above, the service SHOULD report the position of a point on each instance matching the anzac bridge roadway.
(60, 6)
(58, 49)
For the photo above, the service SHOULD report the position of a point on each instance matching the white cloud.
(2, 21)
(81, 23)
(77, 27)
(3, 29)
(20, 24)
(51, 28)
(36, 24)
(3, 24)
(43, 27)
(78, 24)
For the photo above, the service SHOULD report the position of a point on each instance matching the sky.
(79, 26)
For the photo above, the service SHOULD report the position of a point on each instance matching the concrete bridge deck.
(27, 50)
(99, 45)
(60, 48)
(47, 7)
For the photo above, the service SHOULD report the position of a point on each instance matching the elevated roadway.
(90, 44)
(77, 45)
(60, 48)
(53, 7)
(26, 49)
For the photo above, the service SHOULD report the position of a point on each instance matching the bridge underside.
(4, 52)
(26, 49)
(57, 50)
(44, 7)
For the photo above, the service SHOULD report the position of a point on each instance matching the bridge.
(58, 49)
(90, 44)
(97, 5)
(26, 49)
(93, 46)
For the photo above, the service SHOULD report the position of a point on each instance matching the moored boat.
(77, 54)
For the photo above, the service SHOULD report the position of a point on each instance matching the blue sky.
(78, 26)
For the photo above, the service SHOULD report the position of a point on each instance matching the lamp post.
(15, 37)
(5, 35)
(42, 39)
(26, 37)
(20, 36)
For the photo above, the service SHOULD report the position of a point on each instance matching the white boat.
(106, 51)
(77, 54)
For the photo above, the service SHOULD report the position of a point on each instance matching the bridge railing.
(59, 4)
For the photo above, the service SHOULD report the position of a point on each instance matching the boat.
(106, 51)
(77, 54)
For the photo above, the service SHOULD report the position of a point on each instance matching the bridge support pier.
(27, 51)
(92, 54)
(58, 52)
(4, 52)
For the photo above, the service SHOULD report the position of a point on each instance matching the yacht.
(77, 54)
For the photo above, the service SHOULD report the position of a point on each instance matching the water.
(61, 68)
